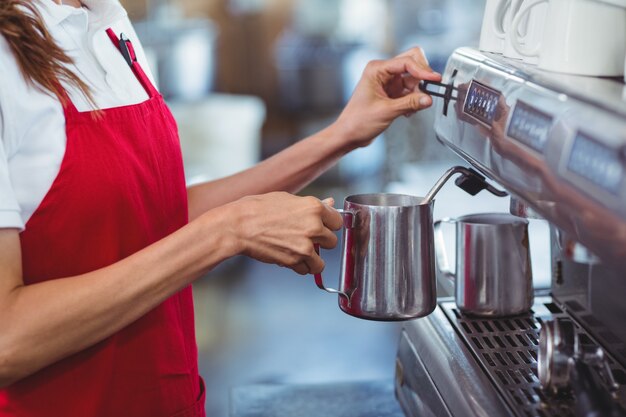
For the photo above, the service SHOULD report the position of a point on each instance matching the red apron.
(120, 188)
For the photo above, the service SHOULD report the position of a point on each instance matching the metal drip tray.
(507, 348)
(449, 365)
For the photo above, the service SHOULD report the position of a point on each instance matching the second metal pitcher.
(493, 271)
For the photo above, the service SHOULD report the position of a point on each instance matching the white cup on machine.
(493, 31)
(496, 34)
(529, 31)
(582, 37)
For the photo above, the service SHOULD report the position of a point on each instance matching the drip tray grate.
(507, 350)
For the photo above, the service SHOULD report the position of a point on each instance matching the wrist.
(342, 135)
(221, 224)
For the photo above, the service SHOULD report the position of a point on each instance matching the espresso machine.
(557, 144)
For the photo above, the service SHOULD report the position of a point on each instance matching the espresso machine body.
(557, 144)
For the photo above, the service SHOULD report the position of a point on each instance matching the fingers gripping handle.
(348, 223)
(320, 282)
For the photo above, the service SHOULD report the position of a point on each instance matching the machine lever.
(446, 95)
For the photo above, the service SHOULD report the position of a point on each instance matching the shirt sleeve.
(10, 214)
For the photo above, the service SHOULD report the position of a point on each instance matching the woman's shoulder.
(10, 79)
(23, 105)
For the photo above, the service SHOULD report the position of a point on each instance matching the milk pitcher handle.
(441, 254)
(349, 218)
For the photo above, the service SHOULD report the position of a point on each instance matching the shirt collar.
(102, 13)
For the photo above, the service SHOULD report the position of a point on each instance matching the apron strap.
(124, 45)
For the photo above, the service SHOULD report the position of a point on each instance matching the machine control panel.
(529, 126)
(596, 162)
(481, 102)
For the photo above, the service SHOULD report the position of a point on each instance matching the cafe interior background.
(247, 78)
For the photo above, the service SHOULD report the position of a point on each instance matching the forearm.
(386, 90)
(43, 323)
(289, 170)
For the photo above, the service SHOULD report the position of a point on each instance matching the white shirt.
(32, 124)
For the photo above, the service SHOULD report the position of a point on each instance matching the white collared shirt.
(32, 124)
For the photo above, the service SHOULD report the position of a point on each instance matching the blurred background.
(247, 78)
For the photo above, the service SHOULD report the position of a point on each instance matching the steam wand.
(470, 181)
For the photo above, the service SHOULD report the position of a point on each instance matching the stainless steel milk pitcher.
(493, 271)
(388, 258)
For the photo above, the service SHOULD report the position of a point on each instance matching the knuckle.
(417, 50)
(317, 207)
(292, 260)
(303, 249)
(315, 229)
(310, 232)
(373, 65)
(314, 202)
(413, 103)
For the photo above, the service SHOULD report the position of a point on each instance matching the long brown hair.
(41, 61)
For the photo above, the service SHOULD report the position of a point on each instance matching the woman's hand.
(387, 89)
(282, 229)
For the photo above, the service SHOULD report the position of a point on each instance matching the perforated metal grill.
(507, 350)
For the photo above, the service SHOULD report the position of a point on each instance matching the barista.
(100, 237)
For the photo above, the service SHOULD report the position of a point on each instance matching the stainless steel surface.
(493, 272)
(387, 267)
(438, 377)
(558, 142)
(482, 367)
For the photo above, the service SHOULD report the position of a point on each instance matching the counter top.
(346, 399)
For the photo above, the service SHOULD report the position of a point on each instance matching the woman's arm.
(45, 322)
(289, 170)
(386, 90)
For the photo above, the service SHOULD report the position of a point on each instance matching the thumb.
(413, 102)
(329, 201)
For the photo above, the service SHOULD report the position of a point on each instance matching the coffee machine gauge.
(596, 163)
(529, 126)
(481, 103)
